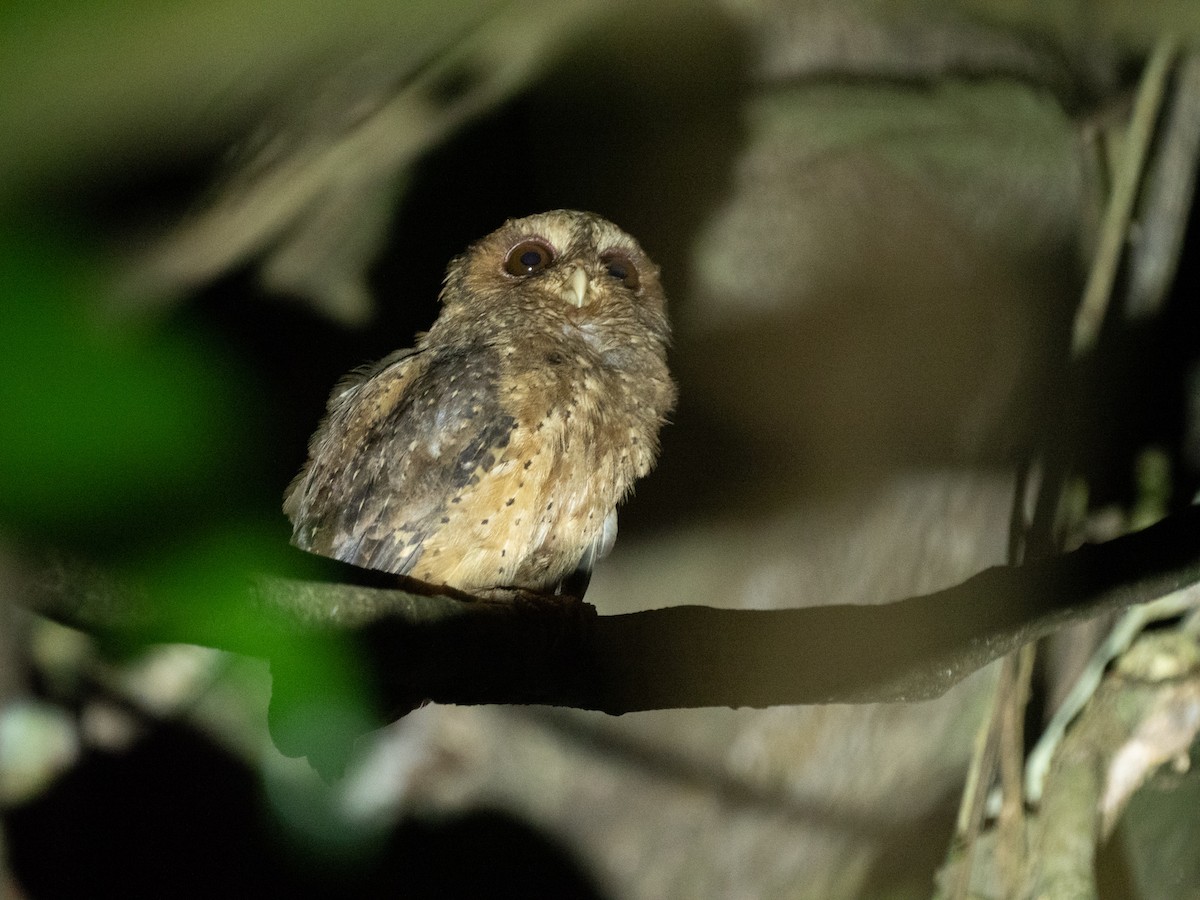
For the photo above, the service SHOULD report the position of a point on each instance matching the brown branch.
(562, 653)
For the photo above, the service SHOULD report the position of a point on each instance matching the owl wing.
(399, 443)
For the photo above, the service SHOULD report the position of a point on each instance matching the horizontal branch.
(414, 648)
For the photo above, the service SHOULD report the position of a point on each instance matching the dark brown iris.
(527, 257)
(621, 267)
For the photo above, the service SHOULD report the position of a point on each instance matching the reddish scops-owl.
(493, 455)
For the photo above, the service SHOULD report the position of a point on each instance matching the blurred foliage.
(909, 144)
(129, 440)
(1153, 852)
(101, 419)
(1129, 23)
(85, 84)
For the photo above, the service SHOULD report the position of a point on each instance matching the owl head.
(562, 263)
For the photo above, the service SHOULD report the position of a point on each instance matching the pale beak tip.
(577, 288)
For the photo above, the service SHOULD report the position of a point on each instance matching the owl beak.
(576, 290)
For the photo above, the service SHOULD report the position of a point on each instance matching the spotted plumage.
(492, 456)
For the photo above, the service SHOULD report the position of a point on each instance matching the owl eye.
(621, 267)
(528, 257)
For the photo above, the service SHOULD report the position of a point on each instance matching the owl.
(492, 455)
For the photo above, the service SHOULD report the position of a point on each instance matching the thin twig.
(1115, 230)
